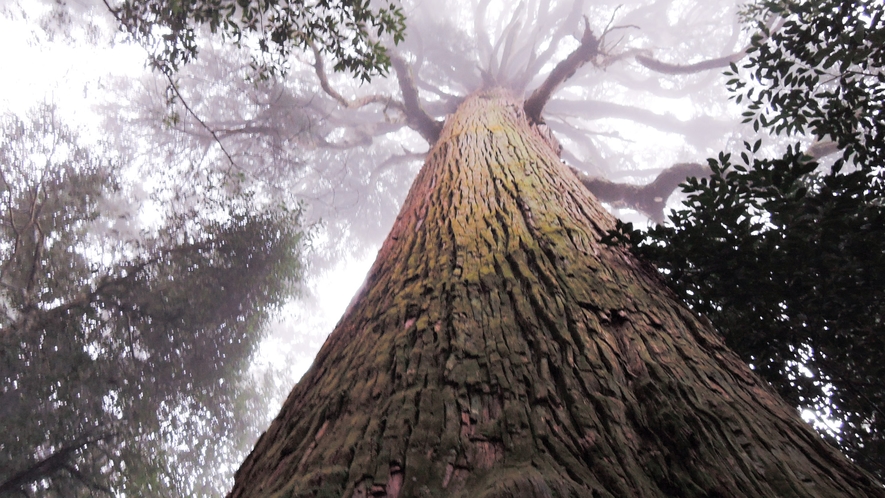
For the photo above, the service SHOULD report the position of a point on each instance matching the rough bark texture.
(498, 350)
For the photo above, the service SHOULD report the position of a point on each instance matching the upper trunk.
(498, 349)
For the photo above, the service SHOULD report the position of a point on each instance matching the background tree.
(125, 361)
(783, 247)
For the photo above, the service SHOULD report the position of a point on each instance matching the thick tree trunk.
(498, 349)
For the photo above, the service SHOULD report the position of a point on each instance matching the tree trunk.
(497, 349)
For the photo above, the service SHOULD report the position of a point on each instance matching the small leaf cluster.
(786, 255)
(817, 70)
(348, 30)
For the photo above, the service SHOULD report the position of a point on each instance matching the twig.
(168, 74)
(320, 69)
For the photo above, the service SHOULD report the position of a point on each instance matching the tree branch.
(819, 150)
(167, 72)
(697, 67)
(588, 49)
(320, 69)
(649, 199)
(536, 62)
(774, 24)
(416, 117)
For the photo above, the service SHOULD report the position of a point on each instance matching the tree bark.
(497, 349)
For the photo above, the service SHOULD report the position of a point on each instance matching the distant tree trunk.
(498, 349)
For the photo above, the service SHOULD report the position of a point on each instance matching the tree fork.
(498, 349)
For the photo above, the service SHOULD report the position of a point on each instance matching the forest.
(639, 249)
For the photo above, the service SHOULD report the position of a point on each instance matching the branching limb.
(533, 67)
(483, 44)
(416, 117)
(588, 49)
(395, 159)
(362, 135)
(774, 24)
(320, 69)
(819, 150)
(649, 199)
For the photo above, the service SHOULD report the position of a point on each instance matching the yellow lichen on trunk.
(498, 349)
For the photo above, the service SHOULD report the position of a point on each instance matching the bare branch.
(649, 199)
(588, 49)
(695, 131)
(416, 116)
(507, 37)
(395, 159)
(774, 24)
(320, 70)
(483, 44)
(364, 135)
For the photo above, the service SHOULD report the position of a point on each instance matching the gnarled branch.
(649, 199)
(566, 68)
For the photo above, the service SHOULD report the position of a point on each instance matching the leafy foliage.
(349, 30)
(121, 361)
(787, 256)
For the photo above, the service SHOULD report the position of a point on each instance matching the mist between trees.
(128, 338)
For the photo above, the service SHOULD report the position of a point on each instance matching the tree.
(499, 349)
(785, 254)
(114, 349)
(515, 50)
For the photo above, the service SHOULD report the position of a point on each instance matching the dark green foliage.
(349, 30)
(787, 256)
(123, 365)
